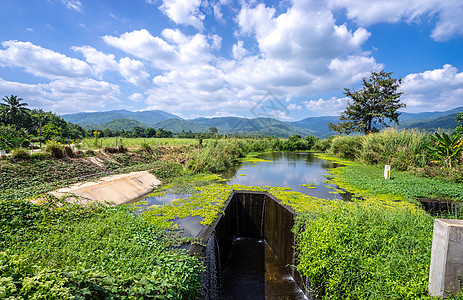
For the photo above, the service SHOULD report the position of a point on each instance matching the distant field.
(89, 143)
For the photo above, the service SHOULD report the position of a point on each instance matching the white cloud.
(333, 106)
(141, 44)
(42, 62)
(134, 72)
(294, 106)
(433, 90)
(182, 51)
(65, 95)
(184, 12)
(72, 4)
(239, 51)
(136, 97)
(367, 12)
(100, 62)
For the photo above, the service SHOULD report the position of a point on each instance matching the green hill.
(149, 118)
(318, 126)
(178, 125)
(117, 124)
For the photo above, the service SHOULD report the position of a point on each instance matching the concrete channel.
(257, 230)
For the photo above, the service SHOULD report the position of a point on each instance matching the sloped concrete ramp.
(116, 189)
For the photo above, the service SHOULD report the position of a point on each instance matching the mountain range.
(318, 126)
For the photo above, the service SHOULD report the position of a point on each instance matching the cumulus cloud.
(42, 62)
(239, 51)
(134, 72)
(184, 12)
(174, 50)
(332, 106)
(367, 12)
(100, 62)
(433, 90)
(65, 95)
(136, 97)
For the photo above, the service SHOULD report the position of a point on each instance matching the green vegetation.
(375, 247)
(365, 252)
(74, 252)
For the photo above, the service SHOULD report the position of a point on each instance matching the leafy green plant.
(365, 252)
(61, 250)
(20, 154)
(446, 148)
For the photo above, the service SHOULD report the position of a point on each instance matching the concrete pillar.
(446, 269)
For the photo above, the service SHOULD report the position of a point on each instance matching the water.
(254, 272)
(284, 169)
(287, 169)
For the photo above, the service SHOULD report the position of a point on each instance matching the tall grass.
(348, 147)
(91, 143)
(401, 148)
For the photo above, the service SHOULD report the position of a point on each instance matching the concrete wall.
(117, 189)
(247, 214)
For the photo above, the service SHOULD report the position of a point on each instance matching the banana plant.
(446, 148)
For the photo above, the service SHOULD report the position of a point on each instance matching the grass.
(89, 143)
(368, 181)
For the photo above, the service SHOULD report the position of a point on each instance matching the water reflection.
(287, 169)
(283, 169)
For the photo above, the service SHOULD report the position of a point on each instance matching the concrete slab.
(446, 269)
(117, 189)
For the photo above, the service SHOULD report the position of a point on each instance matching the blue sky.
(196, 58)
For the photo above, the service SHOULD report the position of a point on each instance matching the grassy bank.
(74, 252)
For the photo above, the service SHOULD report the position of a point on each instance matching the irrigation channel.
(249, 252)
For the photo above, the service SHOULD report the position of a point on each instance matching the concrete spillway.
(249, 251)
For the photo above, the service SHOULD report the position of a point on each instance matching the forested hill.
(148, 118)
(318, 126)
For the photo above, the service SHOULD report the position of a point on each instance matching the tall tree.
(376, 103)
(13, 109)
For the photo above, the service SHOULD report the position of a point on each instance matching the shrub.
(294, 143)
(347, 146)
(25, 144)
(20, 154)
(167, 171)
(311, 140)
(55, 149)
(67, 151)
(360, 252)
(145, 147)
(40, 155)
(322, 145)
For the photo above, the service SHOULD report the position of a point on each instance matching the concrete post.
(446, 269)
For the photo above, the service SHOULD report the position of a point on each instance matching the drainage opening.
(251, 249)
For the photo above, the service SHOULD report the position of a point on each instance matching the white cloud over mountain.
(297, 51)
(438, 89)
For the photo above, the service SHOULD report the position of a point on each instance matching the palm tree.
(13, 109)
